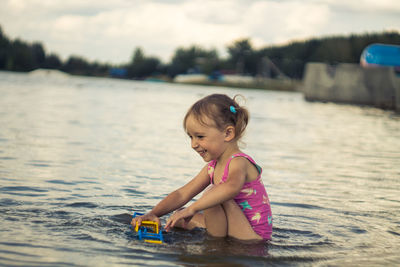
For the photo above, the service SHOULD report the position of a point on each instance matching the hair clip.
(232, 109)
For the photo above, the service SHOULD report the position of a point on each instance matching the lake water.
(79, 155)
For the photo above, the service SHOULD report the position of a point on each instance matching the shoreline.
(264, 84)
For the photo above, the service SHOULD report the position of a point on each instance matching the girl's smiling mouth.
(202, 152)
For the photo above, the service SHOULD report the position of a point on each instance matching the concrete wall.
(350, 83)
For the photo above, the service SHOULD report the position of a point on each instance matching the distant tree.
(138, 56)
(38, 55)
(18, 55)
(183, 61)
(193, 60)
(99, 69)
(142, 66)
(52, 61)
(76, 65)
(4, 49)
(21, 57)
(79, 66)
(148, 67)
(209, 62)
(243, 58)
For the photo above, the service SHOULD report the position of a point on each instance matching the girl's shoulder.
(243, 155)
(250, 159)
(252, 169)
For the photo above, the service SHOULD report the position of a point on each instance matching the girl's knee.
(230, 206)
(238, 225)
(216, 210)
(216, 221)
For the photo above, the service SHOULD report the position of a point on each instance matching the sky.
(109, 31)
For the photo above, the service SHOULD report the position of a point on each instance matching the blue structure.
(381, 55)
(118, 72)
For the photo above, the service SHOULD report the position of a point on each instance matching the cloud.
(366, 6)
(214, 12)
(110, 32)
(267, 24)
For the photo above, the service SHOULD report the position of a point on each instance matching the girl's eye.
(200, 137)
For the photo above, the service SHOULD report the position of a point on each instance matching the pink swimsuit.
(252, 199)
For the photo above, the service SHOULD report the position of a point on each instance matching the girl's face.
(206, 140)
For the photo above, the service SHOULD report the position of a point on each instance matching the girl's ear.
(229, 133)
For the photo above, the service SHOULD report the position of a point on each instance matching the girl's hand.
(147, 217)
(186, 214)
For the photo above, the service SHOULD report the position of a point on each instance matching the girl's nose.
(194, 143)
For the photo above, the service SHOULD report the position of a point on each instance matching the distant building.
(118, 72)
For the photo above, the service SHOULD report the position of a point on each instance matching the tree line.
(272, 61)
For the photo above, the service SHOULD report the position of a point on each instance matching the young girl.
(236, 204)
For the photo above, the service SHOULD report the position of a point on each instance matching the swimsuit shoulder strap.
(210, 170)
(226, 171)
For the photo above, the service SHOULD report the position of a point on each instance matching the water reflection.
(79, 155)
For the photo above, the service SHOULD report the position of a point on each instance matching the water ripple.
(62, 182)
(7, 158)
(24, 191)
(133, 192)
(88, 205)
(297, 205)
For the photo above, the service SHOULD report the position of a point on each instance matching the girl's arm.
(219, 194)
(177, 198)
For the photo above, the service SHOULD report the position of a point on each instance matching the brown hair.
(222, 110)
